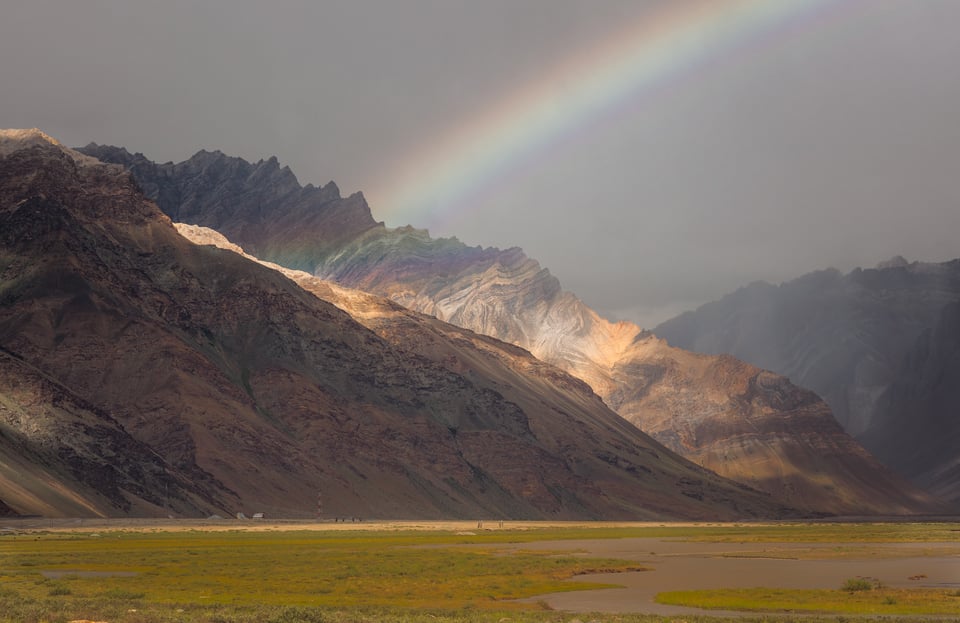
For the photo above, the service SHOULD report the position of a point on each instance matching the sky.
(653, 154)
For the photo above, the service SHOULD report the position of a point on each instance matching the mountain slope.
(916, 429)
(62, 456)
(262, 394)
(509, 296)
(780, 438)
(524, 381)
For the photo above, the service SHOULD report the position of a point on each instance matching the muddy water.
(689, 566)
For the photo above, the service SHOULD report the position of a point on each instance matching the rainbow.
(454, 171)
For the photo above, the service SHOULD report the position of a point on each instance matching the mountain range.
(916, 430)
(875, 343)
(726, 415)
(144, 374)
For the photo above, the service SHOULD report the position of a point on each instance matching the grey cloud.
(832, 143)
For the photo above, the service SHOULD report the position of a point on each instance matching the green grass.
(52, 613)
(822, 532)
(341, 576)
(852, 585)
(288, 569)
(876, 601)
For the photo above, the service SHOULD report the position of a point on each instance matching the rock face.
(144, 374)
(916, 429)
(729, 417)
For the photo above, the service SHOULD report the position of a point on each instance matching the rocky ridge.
(750, 424)
(235, 198)
(229, 385)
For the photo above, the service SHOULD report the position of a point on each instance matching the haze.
(828, 140)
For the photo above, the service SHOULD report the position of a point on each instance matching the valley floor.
(143, 570)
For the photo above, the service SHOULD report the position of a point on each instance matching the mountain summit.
(730, 417)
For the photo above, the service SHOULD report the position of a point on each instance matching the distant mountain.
(916, 428)
(874, 343)
(729, 417)
(142, 374)
(843, 336)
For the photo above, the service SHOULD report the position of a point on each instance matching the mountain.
(521, 378)
(875, 343)
(843, 336)
(236, 198)
(729, 417)
(916, 430)
(143, 368)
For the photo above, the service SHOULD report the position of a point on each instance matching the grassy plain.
(286, 574)
(876, 602)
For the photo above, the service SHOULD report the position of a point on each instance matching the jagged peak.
(93, 145)
(114, 154)
(330, 189)
(205, 157)
(13, 140)
(215, 152)
(117, 149)
(20, 138)
(271, 164)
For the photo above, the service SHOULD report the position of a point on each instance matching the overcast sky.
(830, 139)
